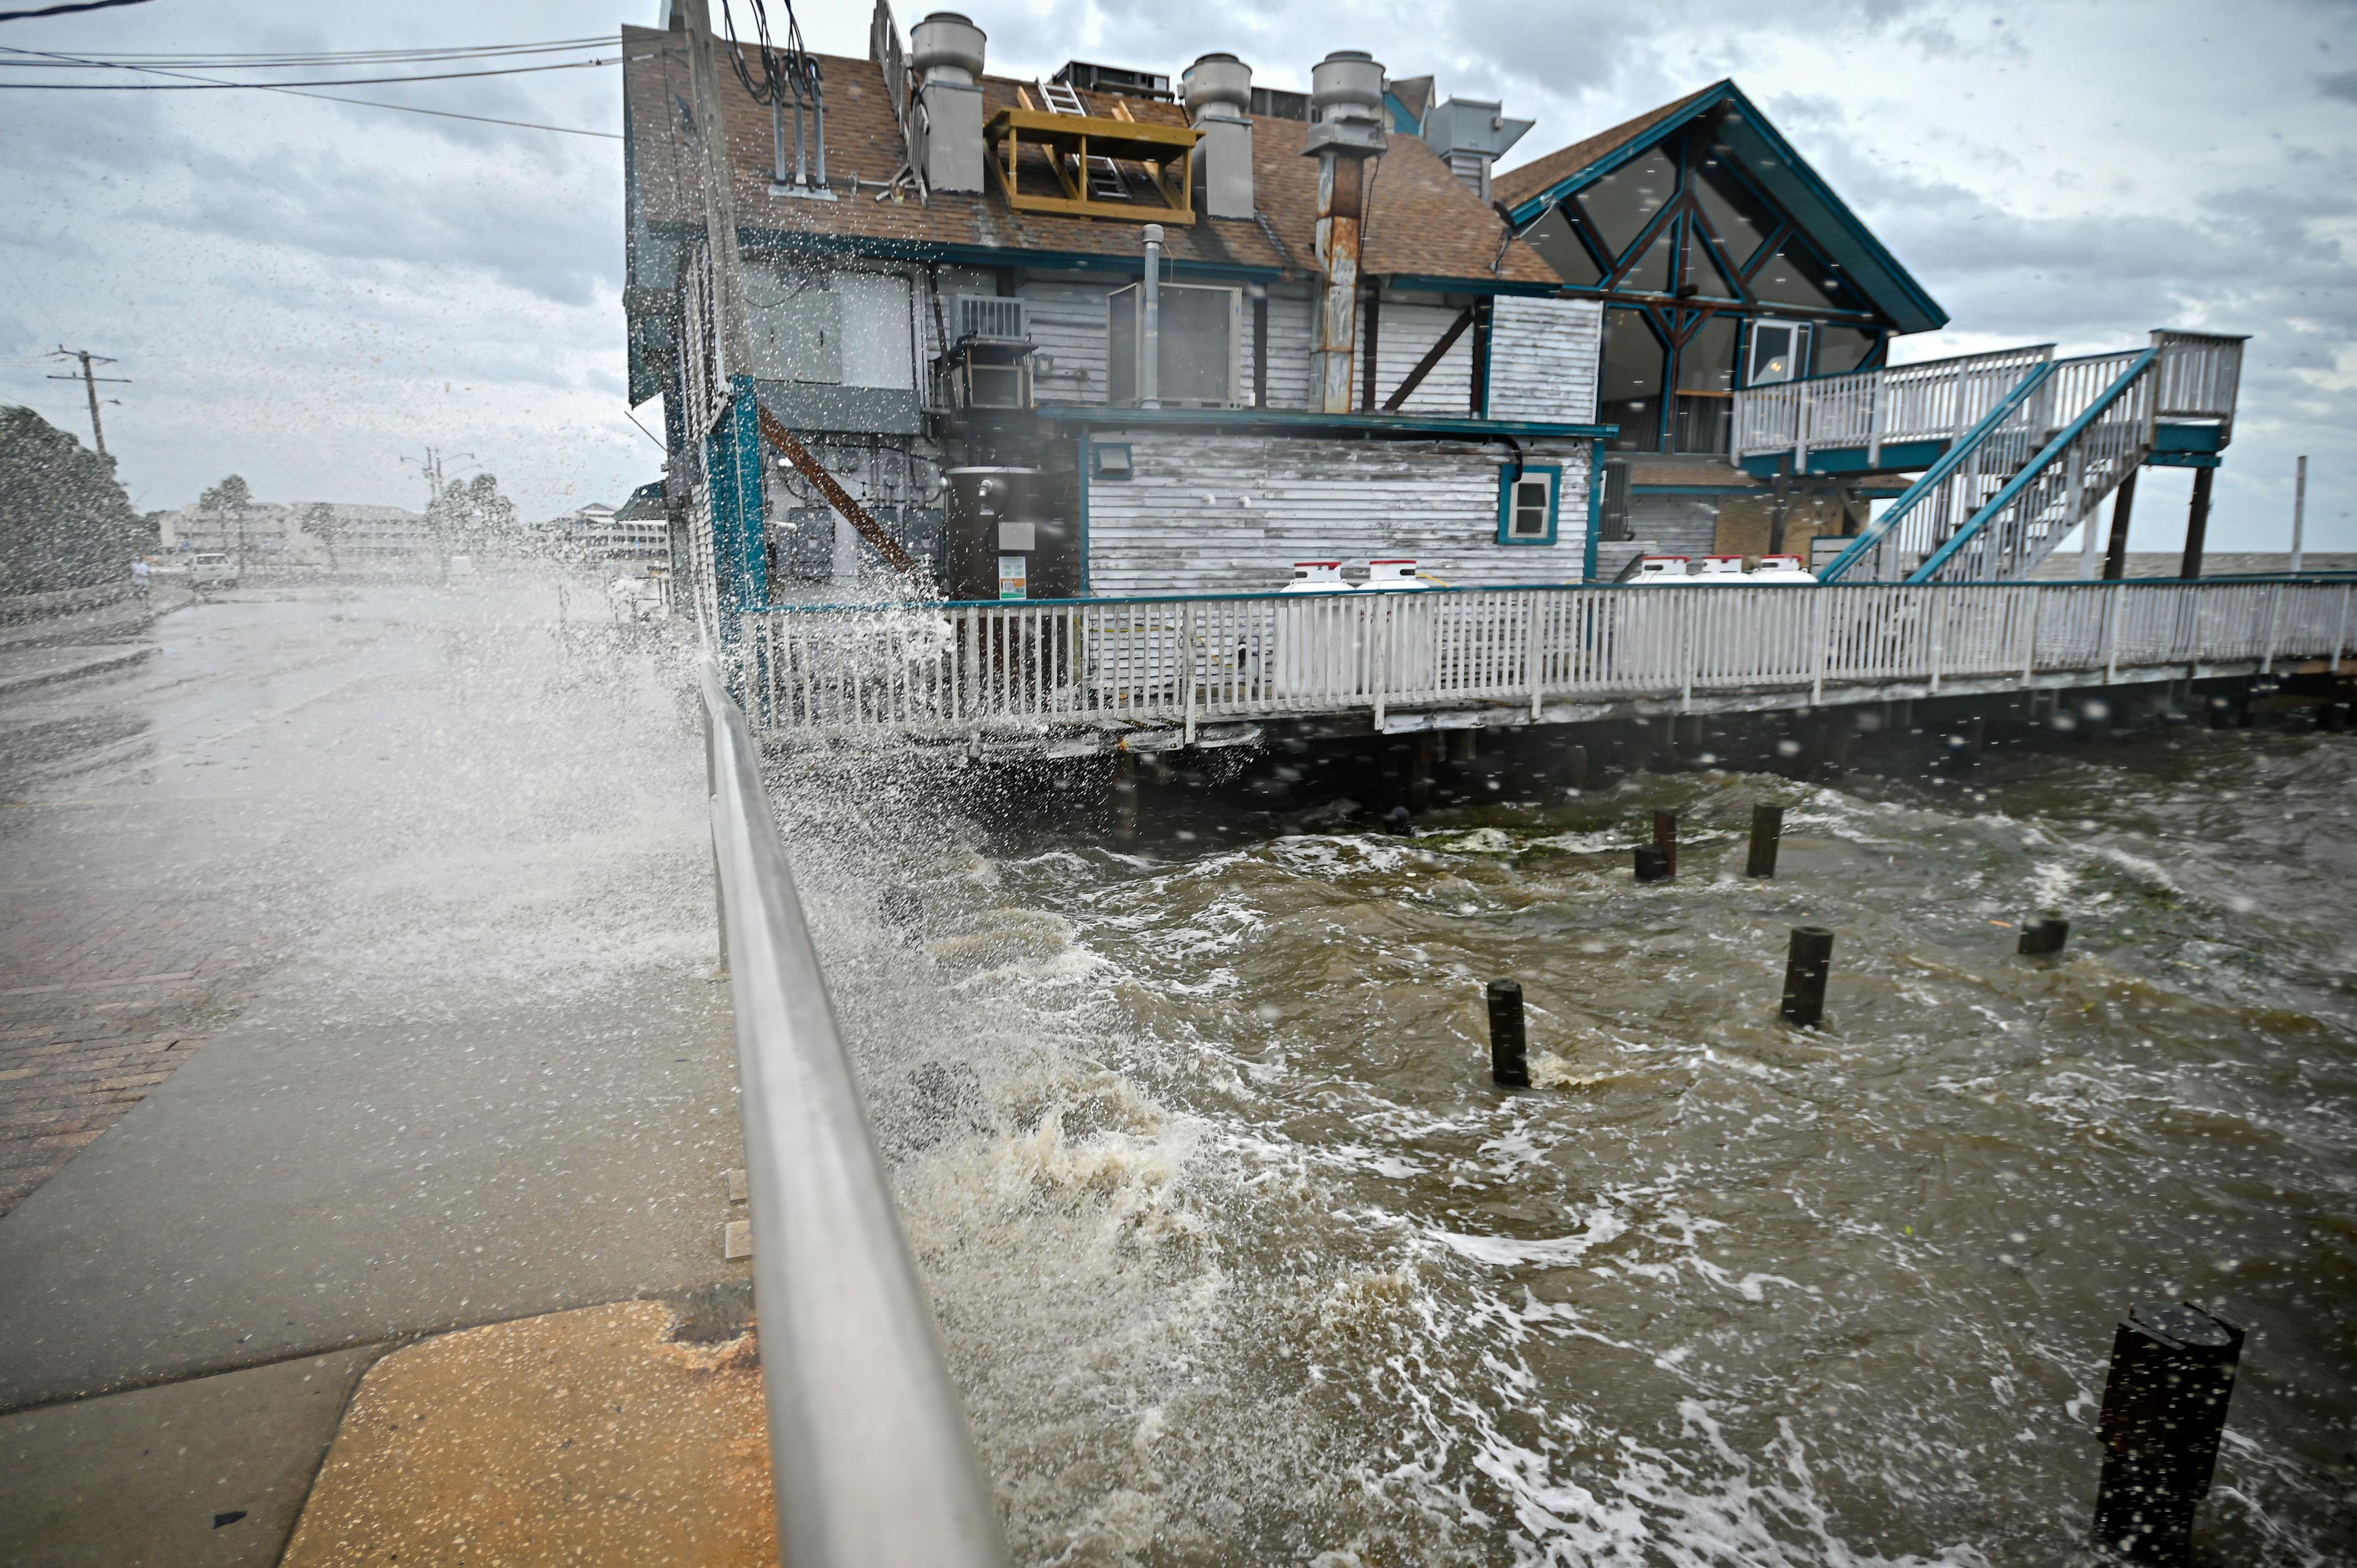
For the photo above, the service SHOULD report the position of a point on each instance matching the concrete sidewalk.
(472, 1069)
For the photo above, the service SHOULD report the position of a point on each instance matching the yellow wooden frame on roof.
(1080, 137)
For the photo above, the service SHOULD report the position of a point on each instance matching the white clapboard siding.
(1068, 323)
(1219, 514)
(1404, 335)
(1543, 359)
(1292, 328)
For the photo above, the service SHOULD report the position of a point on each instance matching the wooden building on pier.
(1115, 333)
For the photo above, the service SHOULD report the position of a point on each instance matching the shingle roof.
(1518, 184)
(1421, 220)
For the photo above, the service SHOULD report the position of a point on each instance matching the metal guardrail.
(869, 1454)
(971, 669)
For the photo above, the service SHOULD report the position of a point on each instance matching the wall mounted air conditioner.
(1202, 340)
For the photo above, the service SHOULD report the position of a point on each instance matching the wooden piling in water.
(1665, 839)
(1767, 833)
(2043, 937)
(1806, 964)
(1508, 1052)
(2165, 1401)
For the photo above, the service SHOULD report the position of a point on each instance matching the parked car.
(212, 571)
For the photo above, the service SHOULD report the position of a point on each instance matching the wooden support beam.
(1432, 358)
(2115, 557)
(2197, 522)
(791, 448)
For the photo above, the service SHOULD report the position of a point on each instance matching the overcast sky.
(308, 293)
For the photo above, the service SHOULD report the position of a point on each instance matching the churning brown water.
(1240, 1258)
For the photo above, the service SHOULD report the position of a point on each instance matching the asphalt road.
(478, 1068)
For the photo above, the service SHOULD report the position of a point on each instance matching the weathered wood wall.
(1404, 332)
(1218, 513)
(1543, 359)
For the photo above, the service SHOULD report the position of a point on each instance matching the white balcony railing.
(1937, 400)
(1093, 664)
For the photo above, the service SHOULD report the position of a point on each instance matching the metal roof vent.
(1219, 93)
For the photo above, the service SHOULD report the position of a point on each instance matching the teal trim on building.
(1287, 420)
(1938, 473)
(740, 543)
(1929, 571)
(1595, 509)
(1786, 179)
(1506, 534)
(2173, 436)
(1896, 455)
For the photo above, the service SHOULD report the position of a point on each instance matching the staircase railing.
(2104, 405)
(1934, 399)
(1914, 524)
(2200, 375)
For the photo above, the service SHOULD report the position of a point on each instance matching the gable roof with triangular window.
(1767, 160)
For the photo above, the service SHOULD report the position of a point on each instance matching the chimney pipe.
(946, 54)
(1149, 351)
(1217, 92)
(1346, 96)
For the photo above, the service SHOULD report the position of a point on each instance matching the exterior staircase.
(2031, 446)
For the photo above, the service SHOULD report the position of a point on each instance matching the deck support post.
(2111, 636)
(2197, 522)
(1824, 614)
(2115, 556)
(1534, 652)
(1187, 665)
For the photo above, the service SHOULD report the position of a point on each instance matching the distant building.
(630, 532)
(291, 534)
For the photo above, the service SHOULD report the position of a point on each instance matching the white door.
(1779, 349)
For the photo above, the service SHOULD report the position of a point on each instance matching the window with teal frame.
(1530, 499)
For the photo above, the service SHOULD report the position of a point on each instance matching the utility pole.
(2299, 513)
(735, 342)
(90, 379)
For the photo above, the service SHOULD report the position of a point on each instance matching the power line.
(67, 10)
(277, 58)
(282, 86)
(363, 103)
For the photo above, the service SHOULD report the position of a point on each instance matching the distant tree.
(65, 522)
(320, 522)
(494, 514)
(230, 495)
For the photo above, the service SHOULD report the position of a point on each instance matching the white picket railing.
(1181, 663)
(1937, 399)
(2200, 374)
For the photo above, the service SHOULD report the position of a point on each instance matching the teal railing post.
(1940, 471)
(740, 540)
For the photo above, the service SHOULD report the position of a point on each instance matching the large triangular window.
(1742, 220)
(1620, 204)
(1704, 275)
(1653, 272)
(1553, 238)
(1795, 275)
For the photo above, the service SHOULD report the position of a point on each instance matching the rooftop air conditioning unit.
(1201, 355)
(992, 317)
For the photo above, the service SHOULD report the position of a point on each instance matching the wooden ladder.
(1103, 177)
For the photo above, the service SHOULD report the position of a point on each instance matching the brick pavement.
(100, 998)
